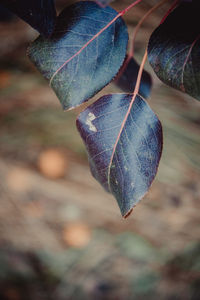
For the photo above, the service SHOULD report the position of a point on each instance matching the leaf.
(77, 73)
(127, 77)
(40, 14)
(5, 14)
(174, 49)
(124, 144)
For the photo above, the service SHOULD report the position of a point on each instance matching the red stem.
(131, 51)
(170, 10)
(137, 86)
(129, 7)
(148, 13)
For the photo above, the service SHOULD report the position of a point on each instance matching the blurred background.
(61, 236)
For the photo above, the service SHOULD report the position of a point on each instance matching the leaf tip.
(128, 213)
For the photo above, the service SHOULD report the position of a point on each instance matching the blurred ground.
(61, 236)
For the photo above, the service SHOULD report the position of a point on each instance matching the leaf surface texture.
(124, 145)
(76, 75)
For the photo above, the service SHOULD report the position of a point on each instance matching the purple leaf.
(127, 77)
(174, 49)
(40, 14)
(5, 14)
(77, 64)
(124, 144)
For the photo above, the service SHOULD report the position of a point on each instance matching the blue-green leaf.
(77, 67)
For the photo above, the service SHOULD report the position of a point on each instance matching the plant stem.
(135, 93)
(170, 10)
(129, 7)
(131, 52)
(137, 86)
(149, 12)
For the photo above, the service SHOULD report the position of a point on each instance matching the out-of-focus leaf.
(174, 49)
(127, 77)
(5, 14)
(124, 145)
(40, 14)
(77, 74)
